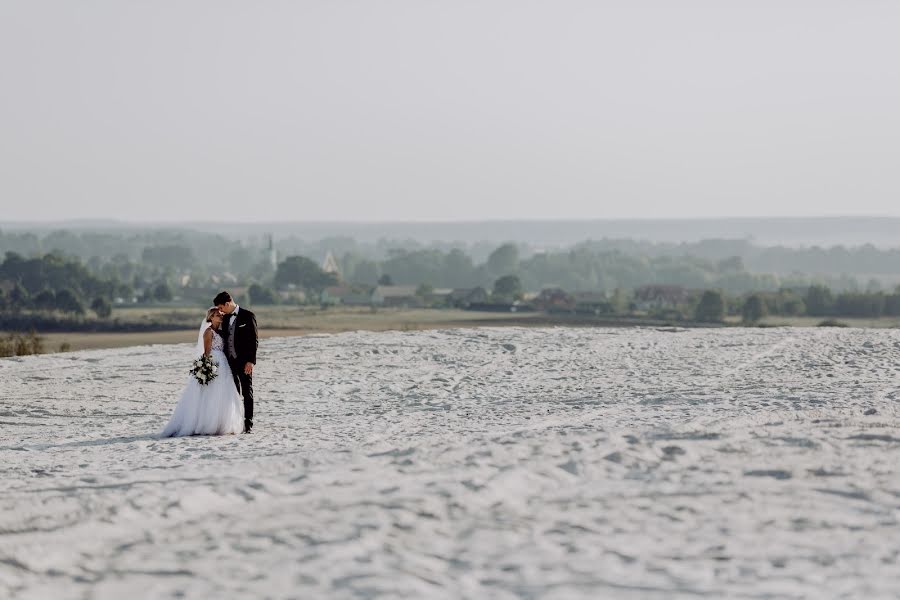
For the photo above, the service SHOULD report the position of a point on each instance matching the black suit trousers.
(244, 384)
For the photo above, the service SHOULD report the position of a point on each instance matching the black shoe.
(248, 426)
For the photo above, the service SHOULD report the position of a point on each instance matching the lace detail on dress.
(217, 342)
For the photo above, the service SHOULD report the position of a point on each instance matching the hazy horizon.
(145, 222)
(765, 231)
(399, 111)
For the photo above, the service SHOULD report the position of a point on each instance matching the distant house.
(403, 296)
(346, 295)
(595, 303)
(438, 297)
(465, 297)
(292, 295)
(517, 306)
(654, 297)
(589, 297)
(225, 278)
(554, 299)
(332, 294)
(240, 292)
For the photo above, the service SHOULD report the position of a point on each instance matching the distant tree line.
(88, 272)
(820, 301)
(53, 283)
(582, 268)
(835, 260)
(33, 290)
(814, 301)
(143, 257)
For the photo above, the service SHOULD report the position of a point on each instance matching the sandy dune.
(493, 463)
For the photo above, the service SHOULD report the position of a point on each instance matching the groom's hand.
(248, 369)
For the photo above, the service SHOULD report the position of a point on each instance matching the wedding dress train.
(212, 409)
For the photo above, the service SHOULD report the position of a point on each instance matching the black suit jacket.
(246, 337)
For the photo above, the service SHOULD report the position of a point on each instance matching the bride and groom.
(229, 337)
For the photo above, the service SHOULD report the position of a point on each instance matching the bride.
(214, 408)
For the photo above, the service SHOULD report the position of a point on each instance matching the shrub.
(45, 300)
(260, 295)
(67, 302)
(507, 289)
(21, 344)
(819, 301)
(754, 309)
(711, 308)
(162, 292)
(102, 307)
(832, 323)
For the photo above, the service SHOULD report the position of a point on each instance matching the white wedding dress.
(212, 409)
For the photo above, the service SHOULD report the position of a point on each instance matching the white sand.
(499, 463)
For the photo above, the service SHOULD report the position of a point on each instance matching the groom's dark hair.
(221, 298)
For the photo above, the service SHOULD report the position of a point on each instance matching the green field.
(179, 324)
(318, 319)
(274, 321)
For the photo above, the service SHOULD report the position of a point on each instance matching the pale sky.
(424, 110)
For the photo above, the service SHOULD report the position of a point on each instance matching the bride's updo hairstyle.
(209, 314)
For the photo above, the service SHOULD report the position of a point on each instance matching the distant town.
(84, 280)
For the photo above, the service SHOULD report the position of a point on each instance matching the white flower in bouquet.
(205, 370)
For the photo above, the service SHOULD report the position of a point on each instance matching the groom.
(241, 341)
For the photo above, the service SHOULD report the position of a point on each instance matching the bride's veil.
(204, 325)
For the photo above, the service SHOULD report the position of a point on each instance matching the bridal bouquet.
(204, 369)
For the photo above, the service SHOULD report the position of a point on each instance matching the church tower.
(330, 265)
(273, 254)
